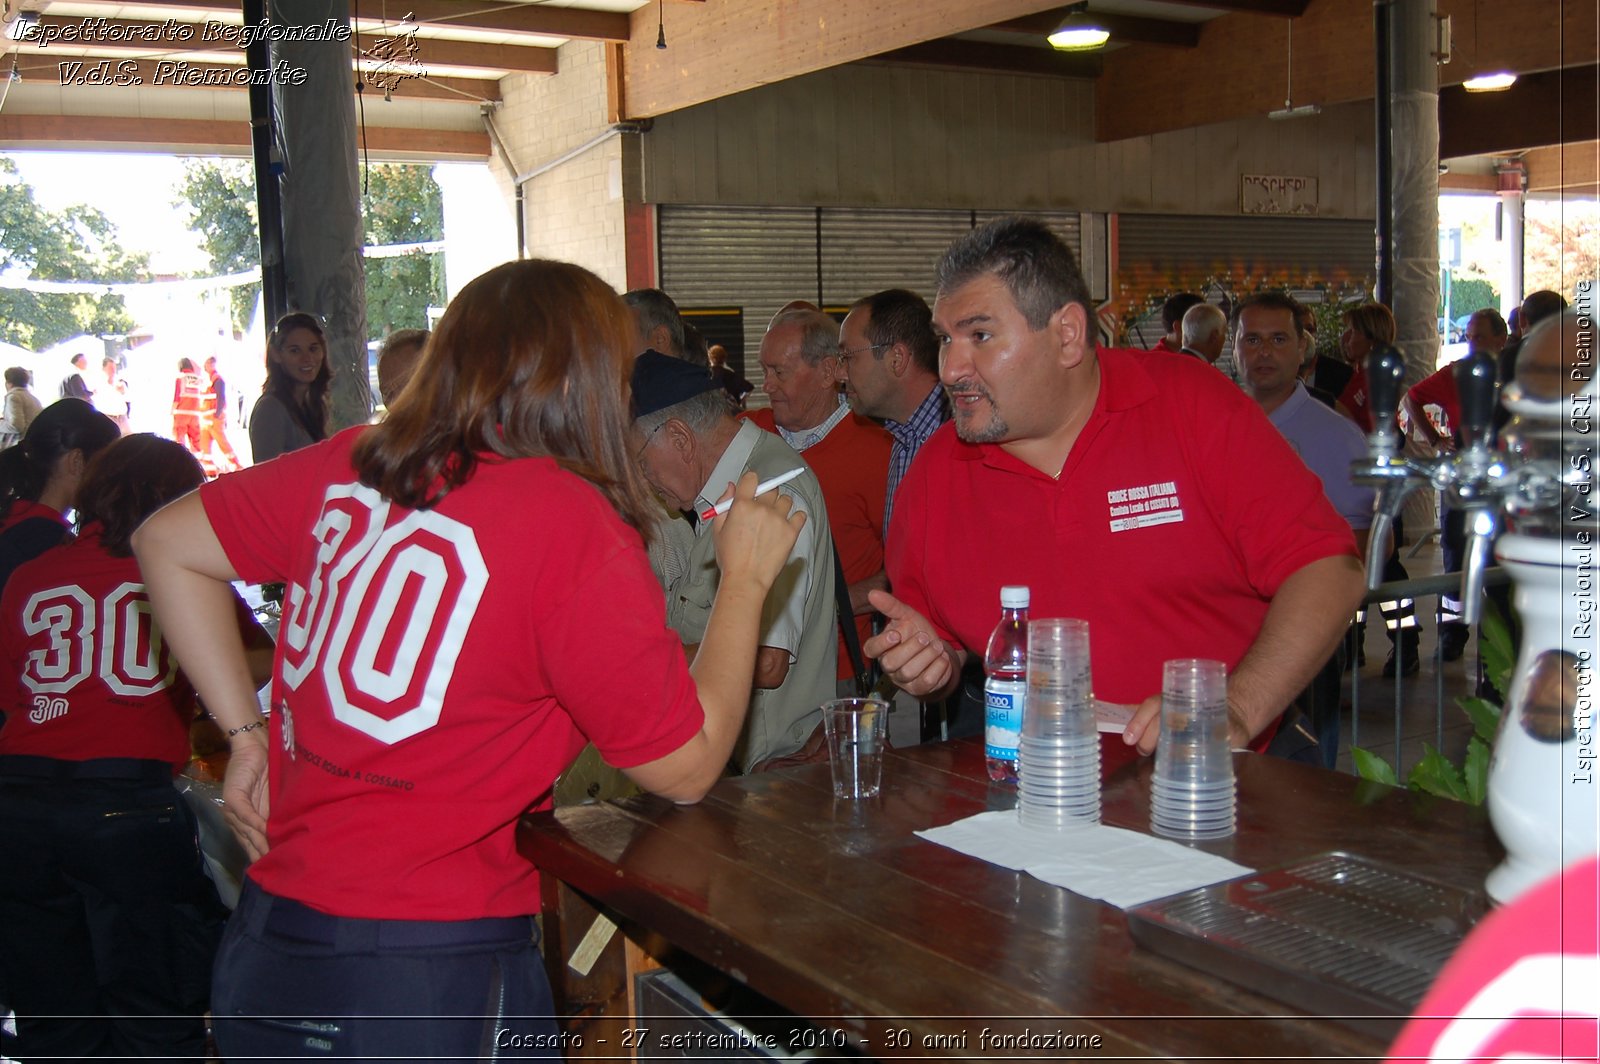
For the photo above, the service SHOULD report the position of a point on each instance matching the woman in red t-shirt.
(469, 602)
(106, 915)
(39, 476)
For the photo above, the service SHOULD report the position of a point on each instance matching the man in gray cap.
(691, 448)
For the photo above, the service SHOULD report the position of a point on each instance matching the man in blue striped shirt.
(889, 365)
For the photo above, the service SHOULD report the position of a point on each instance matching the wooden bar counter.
(837, 912)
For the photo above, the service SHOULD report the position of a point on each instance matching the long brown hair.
(530, 360)
(129, 481)
(313, 413)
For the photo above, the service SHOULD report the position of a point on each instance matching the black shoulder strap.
(847, 623)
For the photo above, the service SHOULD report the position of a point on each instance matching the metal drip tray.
(1337, 935)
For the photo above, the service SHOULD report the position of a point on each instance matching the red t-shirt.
(852, 465)
(1357, 398)
(1439, 390)
(89, 675)
(1179, 512)
(436, 670)
(25, 509)
(1525, 985)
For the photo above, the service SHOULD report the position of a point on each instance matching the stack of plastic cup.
(1059, 754)
(1192, 793)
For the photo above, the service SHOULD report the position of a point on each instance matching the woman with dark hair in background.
(471, 604)
(293, 409)
(108, 923)
(40, 475)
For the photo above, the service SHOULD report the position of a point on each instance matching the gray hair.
(701, 413)
(652, 308)
(819, 334)
(1202, 322)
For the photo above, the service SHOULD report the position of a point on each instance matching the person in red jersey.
(1141, 492)
(40, 475)
(107, 920)
(469, 602)
(1523, 985)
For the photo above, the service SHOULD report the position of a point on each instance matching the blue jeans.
(293, 983)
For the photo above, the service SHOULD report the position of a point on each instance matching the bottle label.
(1002, 726)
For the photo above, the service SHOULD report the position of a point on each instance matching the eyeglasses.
(846, 354)
(639, 457)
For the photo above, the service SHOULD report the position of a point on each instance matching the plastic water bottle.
(1005, 686)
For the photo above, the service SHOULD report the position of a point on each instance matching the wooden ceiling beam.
(529, 18)
(1570, 168)
(150, 39)
(719, 49)
(156, 73)
(1238, 69)
(1123, 28)
(1004, 58)
(1553, 107)
(1279, 8)
(87, 131)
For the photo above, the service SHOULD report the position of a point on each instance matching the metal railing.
(1418, 590)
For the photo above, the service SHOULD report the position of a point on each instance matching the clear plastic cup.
(1060, 699)
(1192, 792)
(856, 729)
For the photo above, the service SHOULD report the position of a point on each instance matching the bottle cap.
(1014, 598)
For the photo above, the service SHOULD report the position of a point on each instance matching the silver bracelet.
(248, 727)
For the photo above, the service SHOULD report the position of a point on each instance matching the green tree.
(76, 244)
(402, 204)
(220, 198)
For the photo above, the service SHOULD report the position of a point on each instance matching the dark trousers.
(108, 923)
(293, 983)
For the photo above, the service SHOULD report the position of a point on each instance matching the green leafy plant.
(1437, 774)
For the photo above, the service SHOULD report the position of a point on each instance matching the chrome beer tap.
(1470, 478)
(1538, 486)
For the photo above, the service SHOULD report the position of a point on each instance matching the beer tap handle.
(1481, 522)
(1386, 375)
(1477, 382)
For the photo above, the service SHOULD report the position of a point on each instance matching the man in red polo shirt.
(848, 453)
(1143, 493)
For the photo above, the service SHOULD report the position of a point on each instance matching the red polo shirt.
(1179, 512)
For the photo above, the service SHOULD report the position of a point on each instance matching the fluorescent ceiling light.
(1497, 82)
(1079, 32)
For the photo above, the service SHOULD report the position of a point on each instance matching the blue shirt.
(1327, 443)
(909, 436)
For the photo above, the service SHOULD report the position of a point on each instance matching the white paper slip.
(1112, 717)
(1123, 868)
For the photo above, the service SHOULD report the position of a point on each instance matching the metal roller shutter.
(866, 251)
(755, 258)
(1330, 246)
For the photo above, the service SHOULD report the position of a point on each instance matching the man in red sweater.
(849, 453)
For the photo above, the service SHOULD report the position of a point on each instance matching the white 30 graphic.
(72, 619)
(338, 624)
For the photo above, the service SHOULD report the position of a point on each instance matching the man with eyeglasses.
(889, 366)
(850, 455)
(690, 448)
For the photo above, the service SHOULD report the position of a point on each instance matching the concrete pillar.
(1414, 224)
(1512, 178)
(322, 228)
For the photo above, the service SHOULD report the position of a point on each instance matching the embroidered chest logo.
(1144, 505)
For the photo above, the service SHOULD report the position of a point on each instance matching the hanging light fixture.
(1079, 31)
(661, 24)
(1289, 110)
(1499, 81)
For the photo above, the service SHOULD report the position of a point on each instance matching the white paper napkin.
(1123, 868)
